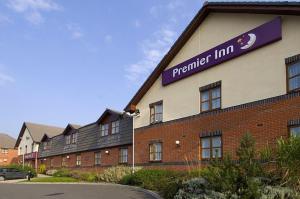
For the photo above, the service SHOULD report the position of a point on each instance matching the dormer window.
(115, 127)
(47, 145)
(68, 139)
(104, 129)
(74, 138)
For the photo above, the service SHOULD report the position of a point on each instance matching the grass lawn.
(54, 179)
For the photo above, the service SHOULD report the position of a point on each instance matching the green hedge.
(25, 169)
(165, 182)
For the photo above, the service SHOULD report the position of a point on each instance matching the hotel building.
(234, 69)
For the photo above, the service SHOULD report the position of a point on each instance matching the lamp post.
(133, 115)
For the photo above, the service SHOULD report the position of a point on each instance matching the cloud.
(75, 30)
(4, 79)
(153, 50)
(108, 38)
(5, 19)
(32, 9)
(137, 23)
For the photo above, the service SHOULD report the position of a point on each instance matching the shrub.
(288, 160)
(25, 169)
(166, 182)
(42, 169)
(51, 172)
(115, 174)
(62, 173)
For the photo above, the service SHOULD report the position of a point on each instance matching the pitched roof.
(71, 126)
(109, 111)
(281, 8)
(37, 131)
(7, 141)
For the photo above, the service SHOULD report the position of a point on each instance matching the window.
(68, 139)
(156, 151)
(104, 129)
(97, 158)
(156, 112)
(210, 98)
(115, 127)
(47, 145)
(123, 156)
(74, 138)
(211, 147)
(4, 151)
(293, 73)
(64, 161)
(51, 163)
(295, 131)
(32, 147)
(78, 160)
(25, 149)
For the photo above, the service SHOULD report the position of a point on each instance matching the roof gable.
(281, 8)
(7, 141)
(114, 115)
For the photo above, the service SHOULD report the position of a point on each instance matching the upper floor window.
(295, 131)
(104, 129)
(74, 138)
(115, 127)
(293, 72)
(47, 145)
(210, 97)
(4, 151)
(155, 150)
(78, 160)
(32, 147)
(156, 112)
(97, 158)
(68, 139)
(123, 156)
(211, 147)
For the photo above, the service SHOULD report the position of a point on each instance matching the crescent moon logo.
(247, 44)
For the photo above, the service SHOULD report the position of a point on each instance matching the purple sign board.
(242, 44)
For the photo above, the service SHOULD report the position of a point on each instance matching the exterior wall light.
(177, 142)
(106, 152)
(68, 157)
(45, 159)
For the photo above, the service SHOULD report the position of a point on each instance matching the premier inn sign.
(242, 44)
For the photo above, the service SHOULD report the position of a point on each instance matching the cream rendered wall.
(257, 75)
(27, 140)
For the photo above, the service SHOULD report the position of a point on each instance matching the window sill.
(213, 110)
(155, 161)
(153, 123)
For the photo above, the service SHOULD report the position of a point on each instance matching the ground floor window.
(295, 131)
(51, 162)
(155, 150)
(78, 160)
(123, 157)
(97, 158)
(211, 147)
(64, 161)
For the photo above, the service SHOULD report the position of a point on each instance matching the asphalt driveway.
(70, 191)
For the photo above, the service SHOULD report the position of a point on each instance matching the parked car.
(11, 173)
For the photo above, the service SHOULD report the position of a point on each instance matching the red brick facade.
(267, 120)
(88, 159)
(11, 157)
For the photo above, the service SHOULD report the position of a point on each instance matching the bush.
(115, 174)
(42, 169)
(25, 169)
(288, 160)
(62, 173)
(51, 172)
(166, 182)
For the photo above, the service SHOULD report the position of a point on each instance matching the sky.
(65, 61)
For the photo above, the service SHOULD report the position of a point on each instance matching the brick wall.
(88, 159)
(266, 120)
(10, 158)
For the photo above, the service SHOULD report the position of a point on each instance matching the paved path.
(70, 191)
